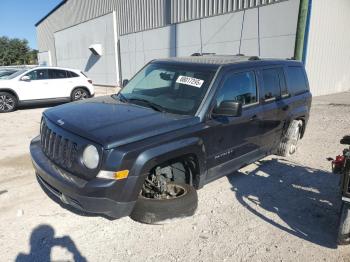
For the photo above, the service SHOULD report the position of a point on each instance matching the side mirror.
(228, 108)
(25, 78)
(125, 82)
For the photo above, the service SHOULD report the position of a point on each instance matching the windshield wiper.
(122, 97)
(149, 103)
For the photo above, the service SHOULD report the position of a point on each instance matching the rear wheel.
(8, 102)
(344, 225)
(162, 198)
(290, 139)
(79, 94)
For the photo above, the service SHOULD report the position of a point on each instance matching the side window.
(283, 84)
(40, 74)
(239, 87)
(57, 74)
(296, 80)
(71, 74)
(272, 87)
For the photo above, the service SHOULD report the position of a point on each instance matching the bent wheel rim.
(7, 103)
(173, 191)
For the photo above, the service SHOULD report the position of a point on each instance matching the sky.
(18, 17)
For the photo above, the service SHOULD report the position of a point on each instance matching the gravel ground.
(274, 210)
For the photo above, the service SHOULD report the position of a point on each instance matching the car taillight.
(90, 81)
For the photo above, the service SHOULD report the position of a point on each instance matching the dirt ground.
(274, 210)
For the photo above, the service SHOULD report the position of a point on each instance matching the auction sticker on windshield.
(191, 81)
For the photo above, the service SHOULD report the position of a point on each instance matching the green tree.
(16, 52)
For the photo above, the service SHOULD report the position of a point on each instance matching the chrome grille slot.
(47, 139)
(60, 150)
(56, 146)
(51, 141)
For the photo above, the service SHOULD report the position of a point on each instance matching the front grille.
(57, 148)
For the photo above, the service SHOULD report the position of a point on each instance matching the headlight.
(91, 157)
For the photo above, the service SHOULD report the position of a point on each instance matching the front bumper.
(94, 196)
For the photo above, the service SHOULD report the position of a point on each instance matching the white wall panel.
(328, 55)
(188, 38)
(72, 49)
(278, 25)
(223, 34)
(139, 48)
(44, 58)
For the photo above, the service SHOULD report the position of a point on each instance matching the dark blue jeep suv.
(178, 124)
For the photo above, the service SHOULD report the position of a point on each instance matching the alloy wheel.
(7, 103)
(80, 95)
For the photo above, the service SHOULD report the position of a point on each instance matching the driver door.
(36, 87)
(234, 141)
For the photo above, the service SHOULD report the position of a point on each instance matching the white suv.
(43, 85)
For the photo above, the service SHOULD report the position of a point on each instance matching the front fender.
(9, 90)
(160, 154)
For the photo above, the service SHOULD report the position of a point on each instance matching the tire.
(8, 102)
(80, 94)
(290, 139)
(156, 211)
(344, 225)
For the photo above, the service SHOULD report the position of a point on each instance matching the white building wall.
(265, 31)
(328, 54)
(72, 49)
(44, 58)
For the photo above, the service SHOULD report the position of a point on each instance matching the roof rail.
(240, 54)
(202, 54)
(252, 58)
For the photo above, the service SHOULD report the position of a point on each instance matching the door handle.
(285, 108)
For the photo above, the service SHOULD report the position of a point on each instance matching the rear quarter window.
(71, 74)
(296, 80)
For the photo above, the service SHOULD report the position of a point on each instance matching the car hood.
(111, 123)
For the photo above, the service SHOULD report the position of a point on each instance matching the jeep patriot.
(177, 125)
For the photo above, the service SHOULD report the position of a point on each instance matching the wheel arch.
(302, 114)
(189, 148)
(11, 91)
(82, 87)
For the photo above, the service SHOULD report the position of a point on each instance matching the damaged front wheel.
(162, 199)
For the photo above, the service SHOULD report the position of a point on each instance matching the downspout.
(118, 68)
(303, 27)
(307, 31)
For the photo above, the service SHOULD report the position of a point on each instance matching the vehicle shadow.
(306, 200)
(42, 240)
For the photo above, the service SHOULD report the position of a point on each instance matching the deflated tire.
(158, 211)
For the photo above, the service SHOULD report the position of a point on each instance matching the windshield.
(17, 74)
(5, 74)
(174, 89)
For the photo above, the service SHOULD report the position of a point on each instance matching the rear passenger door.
(58, 83)
(275, 108)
